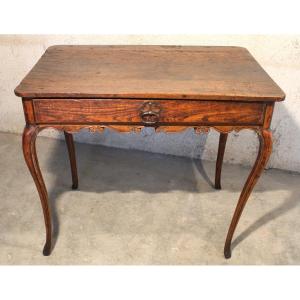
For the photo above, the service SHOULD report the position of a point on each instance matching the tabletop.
(162, 72)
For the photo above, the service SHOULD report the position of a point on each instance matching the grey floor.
(134, 207)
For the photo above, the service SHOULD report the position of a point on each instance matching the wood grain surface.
(118, 111)
(165, 72)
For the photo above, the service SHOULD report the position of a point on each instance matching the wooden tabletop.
(152, 72)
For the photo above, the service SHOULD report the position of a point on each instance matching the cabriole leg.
(29, 151)
(265, 149)
(221, 150)
(72, 157)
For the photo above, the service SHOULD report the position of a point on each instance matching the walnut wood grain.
(29, 151)
(28, 111)
(119, 111)
(268, 115)
(265, 149)
(161, 72)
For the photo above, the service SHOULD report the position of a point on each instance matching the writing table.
(126, 88)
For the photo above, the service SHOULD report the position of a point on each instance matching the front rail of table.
(72, 115)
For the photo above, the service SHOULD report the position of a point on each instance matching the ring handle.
(150, 113)
(150, 117)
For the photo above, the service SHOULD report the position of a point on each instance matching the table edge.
(31, 95)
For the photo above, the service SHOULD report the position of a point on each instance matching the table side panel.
(120, 111)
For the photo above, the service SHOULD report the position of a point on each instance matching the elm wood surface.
(128, 88)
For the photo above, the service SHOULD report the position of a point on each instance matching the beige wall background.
(278, 54)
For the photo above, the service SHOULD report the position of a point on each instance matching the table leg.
(29, 150)
(265, 149)
(221, 150)
(72, 157)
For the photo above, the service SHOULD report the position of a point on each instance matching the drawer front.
(146, 112)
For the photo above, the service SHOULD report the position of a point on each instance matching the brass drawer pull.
(150, 113)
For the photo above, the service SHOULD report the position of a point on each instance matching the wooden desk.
(129, 87)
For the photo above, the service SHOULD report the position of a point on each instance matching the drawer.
(146, 112)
